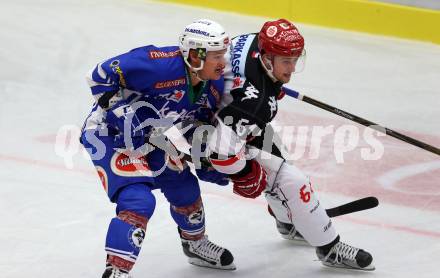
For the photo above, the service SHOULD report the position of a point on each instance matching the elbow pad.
(226, 151)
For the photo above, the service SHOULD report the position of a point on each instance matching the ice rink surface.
(54, 219)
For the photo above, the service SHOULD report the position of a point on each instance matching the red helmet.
(280, 37)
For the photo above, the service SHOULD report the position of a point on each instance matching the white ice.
(54, 219)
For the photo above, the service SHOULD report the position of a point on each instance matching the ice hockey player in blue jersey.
(138, 93)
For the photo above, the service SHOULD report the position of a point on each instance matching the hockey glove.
(251, 184)
(211, 175)
(121, 118)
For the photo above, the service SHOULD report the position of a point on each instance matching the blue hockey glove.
(211, 175)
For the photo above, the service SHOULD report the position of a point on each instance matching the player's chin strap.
(195, 70)
(269, 70)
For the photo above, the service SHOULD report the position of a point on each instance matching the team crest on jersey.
(170, 83)
(177, 96)
(103, 177)
(114, 65)
(157, 54)
(126, 166)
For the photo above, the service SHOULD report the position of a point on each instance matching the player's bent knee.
(138, 199)
(184, 195)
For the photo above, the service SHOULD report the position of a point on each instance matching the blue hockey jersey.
(158, 76)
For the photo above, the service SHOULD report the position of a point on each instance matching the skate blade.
(202, 263)
(343, 266)
(296, 240)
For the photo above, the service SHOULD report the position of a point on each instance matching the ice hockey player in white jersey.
(242, 143)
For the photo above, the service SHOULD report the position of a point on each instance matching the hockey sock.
(125, 235)
(190, 219)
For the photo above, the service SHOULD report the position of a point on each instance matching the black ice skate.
(204, 253)
(289, 232)
(342, 255)
(114, 272)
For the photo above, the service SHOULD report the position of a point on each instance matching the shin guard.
(125, 235)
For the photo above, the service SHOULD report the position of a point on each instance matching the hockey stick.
(351, 207)
(347, 208)
(367, 123)
(354, 206)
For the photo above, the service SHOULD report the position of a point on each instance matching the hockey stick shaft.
(351, 207)
(354, 206)
(367, 123)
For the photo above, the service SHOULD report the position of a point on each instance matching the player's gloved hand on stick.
(252, 183)
(121, 118)
(209, 174)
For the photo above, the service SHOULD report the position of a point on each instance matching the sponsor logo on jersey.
(103, 177)
(237, 82)
(197, 31)
(250, 93)
(176, 96)
(315, 207)
(114, 65)
(123, 165)
(157, 54)
(237, 53)
(215, 93)
(272, 105)
(326, 227)
(170, 83)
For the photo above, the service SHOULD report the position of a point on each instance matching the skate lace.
(207, 249)
(342, 251)
(117, 273)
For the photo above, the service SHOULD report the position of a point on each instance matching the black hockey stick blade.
(357, 205)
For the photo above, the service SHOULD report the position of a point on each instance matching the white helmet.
(203, 34)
